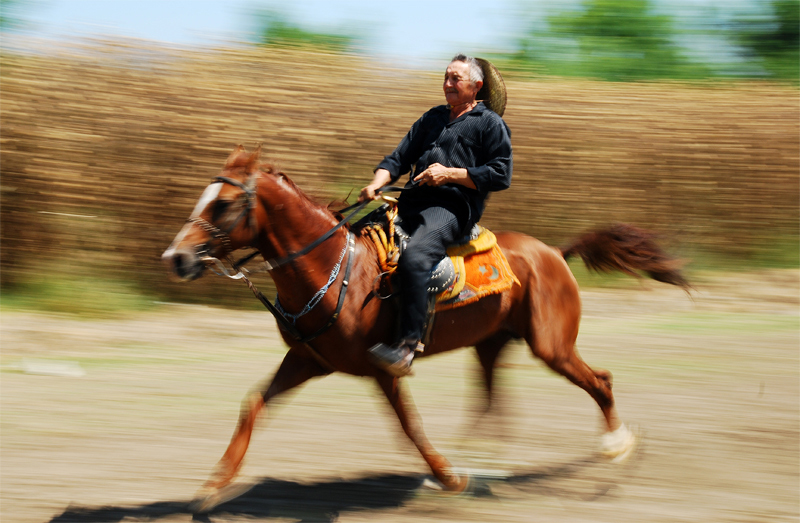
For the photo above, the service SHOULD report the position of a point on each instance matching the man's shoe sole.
(381, 356)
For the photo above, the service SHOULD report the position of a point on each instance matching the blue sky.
(409, 32)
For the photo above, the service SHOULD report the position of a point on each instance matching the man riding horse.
(461, 152)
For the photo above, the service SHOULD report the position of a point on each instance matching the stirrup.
(394, 359)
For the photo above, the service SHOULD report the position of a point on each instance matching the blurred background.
(678, 116)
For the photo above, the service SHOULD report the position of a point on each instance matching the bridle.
(223, 237)
(250, 195)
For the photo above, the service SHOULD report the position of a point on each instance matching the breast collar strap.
(286, 324)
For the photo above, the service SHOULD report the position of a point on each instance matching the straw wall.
(105, 149)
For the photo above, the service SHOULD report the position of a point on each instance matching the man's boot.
(395, 359)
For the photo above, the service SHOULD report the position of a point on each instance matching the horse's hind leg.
(551, 337)
(293, 371)
(489, 429)
(488, 350)
(618, 442)
(596, 382)
(412, 426)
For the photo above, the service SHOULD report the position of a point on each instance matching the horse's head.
(223, 219)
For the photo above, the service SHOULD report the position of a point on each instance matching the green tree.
(618, 40)
(624, 40)
(772, 40)
(10, 18)
(276, 30)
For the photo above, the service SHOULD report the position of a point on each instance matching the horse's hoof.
(463, 484)
(619, 446)
(209, 498)
(204, 501)
(460, 483)
(431, 483)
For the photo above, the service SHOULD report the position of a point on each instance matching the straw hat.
(493, 92)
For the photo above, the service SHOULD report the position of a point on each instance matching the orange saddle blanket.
(481, 269)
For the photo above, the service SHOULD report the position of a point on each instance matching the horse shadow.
(324, 501)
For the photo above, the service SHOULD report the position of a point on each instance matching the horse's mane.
(271, 168)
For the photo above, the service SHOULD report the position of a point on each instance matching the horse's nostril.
(186, 265)
(179, 265)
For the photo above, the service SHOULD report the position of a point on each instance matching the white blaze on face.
(209, 195)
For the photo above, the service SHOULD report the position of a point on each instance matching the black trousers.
(431, 230)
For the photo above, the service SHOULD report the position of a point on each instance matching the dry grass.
(126, 136)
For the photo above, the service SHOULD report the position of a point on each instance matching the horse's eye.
(220, 206)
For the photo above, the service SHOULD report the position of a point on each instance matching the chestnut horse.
(249, 205)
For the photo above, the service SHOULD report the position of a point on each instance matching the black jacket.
(478, 141)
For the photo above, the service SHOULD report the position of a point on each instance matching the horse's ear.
(254, 160)
(235, 154)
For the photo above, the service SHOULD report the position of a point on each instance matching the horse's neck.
(295, 223)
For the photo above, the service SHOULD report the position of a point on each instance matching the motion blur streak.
(106, 147)
(131, 134)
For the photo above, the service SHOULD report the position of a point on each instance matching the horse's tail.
(628, 249)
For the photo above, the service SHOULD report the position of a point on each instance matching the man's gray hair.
(475, 71)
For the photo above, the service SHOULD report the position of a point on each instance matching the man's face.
(458, 89)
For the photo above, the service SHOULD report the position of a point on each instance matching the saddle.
(474, 267)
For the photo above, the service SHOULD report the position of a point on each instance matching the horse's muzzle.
(184, 264)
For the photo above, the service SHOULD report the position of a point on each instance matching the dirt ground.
(122, 420)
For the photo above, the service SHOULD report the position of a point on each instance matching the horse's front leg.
(412, 425)
(295, 369)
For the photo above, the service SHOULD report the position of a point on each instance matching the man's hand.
(437, 174)
(370, 192)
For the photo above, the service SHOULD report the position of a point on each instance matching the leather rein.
(283, 318)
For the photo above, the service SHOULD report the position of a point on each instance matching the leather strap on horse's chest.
(351, 251)
(289, 327)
